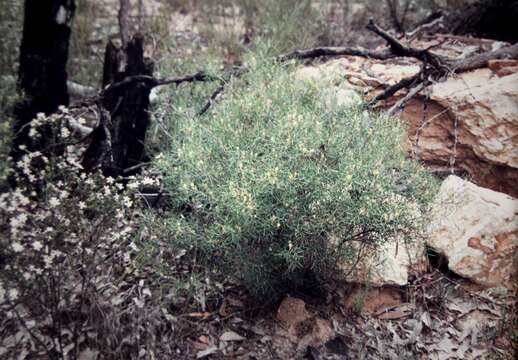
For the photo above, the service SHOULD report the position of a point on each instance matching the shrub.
(69, 280)
(278, 184)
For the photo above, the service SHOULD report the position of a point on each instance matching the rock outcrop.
(467, 124)
(476, 229)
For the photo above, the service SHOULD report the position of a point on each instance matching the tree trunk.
(128, 111)
(43, 60)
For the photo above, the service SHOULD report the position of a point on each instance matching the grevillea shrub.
(278, 184)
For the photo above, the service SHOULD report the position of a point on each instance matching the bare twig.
(401, 103)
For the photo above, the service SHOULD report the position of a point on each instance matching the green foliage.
(11, 18)
(279, 184)
(8, 98)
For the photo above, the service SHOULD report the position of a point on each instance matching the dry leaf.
(231, 336)
(393, 315)
(204, 353)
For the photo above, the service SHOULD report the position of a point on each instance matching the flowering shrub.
(67, 258)
(279, 185)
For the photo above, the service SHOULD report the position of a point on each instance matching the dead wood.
(42, 75)
(336, 51)
(434, 66)
(481, 60)
(124, 25)
(127, 106)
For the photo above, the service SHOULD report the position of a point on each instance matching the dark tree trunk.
(43, 60)
(128, 111)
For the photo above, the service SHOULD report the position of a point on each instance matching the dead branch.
(437, 66)
(149, 80)
(401, 103)
(335, 51)
(432, 21)
(403, 84)
(124, 9)
(221, 88)
(480, 60)
(398, 49)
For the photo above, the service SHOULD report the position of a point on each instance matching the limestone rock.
(477, 230)
(390, 265)
(470, 125)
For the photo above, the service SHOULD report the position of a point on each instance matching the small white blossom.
(17, 247)
(148, 181)
(37, 245)
(13, 294)
(127, 201)
(53, 202)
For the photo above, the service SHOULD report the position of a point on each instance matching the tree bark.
(42, 73)
(127, 109)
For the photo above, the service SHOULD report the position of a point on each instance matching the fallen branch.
(336, 51)
(398, 49)
(401, 103)
(481, 60)
(432, 21)
(439, 66)
(391, 90)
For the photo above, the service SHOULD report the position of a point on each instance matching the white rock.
(477, 230)
(391, 264)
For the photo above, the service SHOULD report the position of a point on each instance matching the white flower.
(65, 132)
(17, 247)
(13, 294)
(33, 133)
(148, 181)
(18, 221)
(132, 185)
(127, 201)
(81, 205)
(37, 245)
(53, 202)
